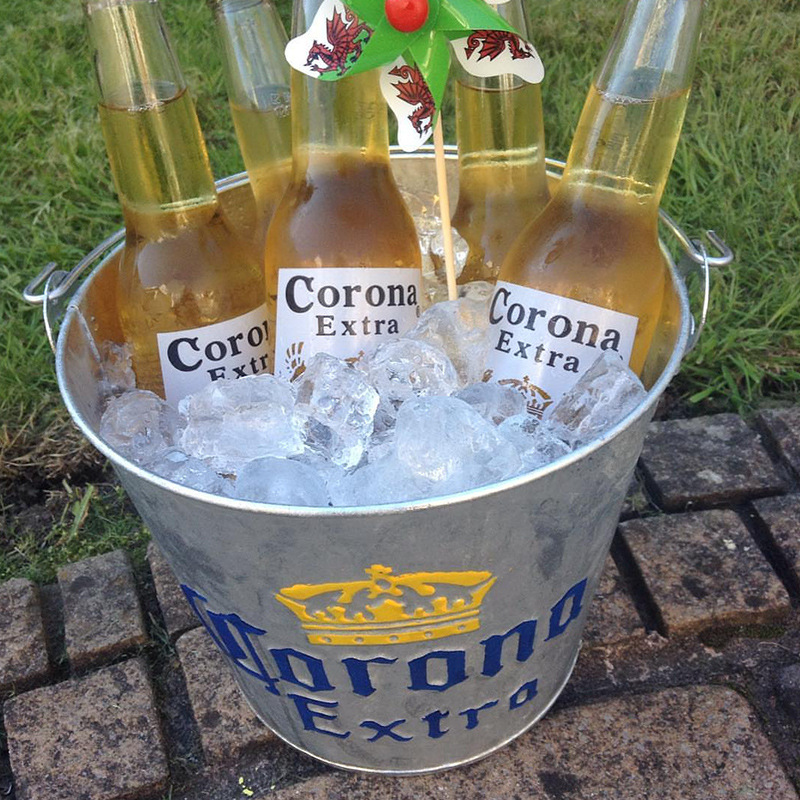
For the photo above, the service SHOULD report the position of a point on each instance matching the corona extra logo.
(387, 608)
(295, 361)
(536, 399)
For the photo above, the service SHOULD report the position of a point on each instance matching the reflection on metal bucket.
(400, 638)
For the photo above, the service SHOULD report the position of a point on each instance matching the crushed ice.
(413, 419)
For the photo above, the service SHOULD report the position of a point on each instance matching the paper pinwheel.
(410, 40)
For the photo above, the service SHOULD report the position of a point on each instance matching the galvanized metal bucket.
(400, 638)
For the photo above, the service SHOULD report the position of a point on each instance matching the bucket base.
(427, 770)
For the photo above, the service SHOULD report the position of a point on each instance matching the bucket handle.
(57, 286)
(696, 258)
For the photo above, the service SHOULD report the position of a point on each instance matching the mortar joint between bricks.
(760, 532)
(643, 601)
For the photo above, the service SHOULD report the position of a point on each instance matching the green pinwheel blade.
(386, 42)
(432, 56)
(367, 10)
(383, 47)
(458, 19)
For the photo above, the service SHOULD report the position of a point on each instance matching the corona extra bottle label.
(234, 348)
(342, 311)
(541, 343)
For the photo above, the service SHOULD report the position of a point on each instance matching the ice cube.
(230, 422)
(425, 211)
(384, 480)
(436, 253)
(117, 369)
(446, 442)
(407, 368)
(176, 466)
(476, 291)
(603, 395)
(140, 425)
(493, 401)
(282, 481)
(536, 443)
(460, 329)
(340, 405)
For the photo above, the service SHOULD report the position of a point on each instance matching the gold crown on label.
(405, 608)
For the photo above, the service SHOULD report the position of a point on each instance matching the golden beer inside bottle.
(597, 241)
(181, 268)
(264, 132)
(342, 207)
(502, 180)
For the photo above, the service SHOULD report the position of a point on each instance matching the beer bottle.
(343, 263)
(588, 274)
(257, 76)
(190, 294)
(501, 167)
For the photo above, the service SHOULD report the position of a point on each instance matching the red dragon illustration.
(413, 90)
(493, 44)
(346, 38)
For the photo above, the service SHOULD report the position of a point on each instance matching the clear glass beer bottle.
(191, 295)
(501, 166)
(257, 76)
(343, 263)
(588, 274)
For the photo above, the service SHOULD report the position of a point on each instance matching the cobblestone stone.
(783, 426)
(689, 743)
(23, 651)
(707, 461)
(92, 738)
(788, 689)
(782, 517)
(704, 568)
(612, 617)
(178, 616)
(102, 614)
(226, 723)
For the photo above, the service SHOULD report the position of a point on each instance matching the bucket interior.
(92, 316)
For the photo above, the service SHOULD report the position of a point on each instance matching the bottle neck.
(155, 146)
(253, 39)
(500, 134)
(346, 118)
(629, 128)
(500, 130)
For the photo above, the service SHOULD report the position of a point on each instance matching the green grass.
(73, 523)
(736, 171)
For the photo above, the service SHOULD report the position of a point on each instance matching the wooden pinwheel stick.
(444, 209)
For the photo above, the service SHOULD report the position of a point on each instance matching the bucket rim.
(385, 509)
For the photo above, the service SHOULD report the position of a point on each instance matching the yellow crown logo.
(452, 605)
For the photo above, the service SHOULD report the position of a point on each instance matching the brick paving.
(782, 427)
(781, 515)
(102, 612)
(688, 685)
(23, 651)
(94, 737)
(225, 722)
(707, 461)
(704, 569)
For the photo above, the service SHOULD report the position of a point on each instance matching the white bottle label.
(235, 348)
(344, 311)
(541, 343)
